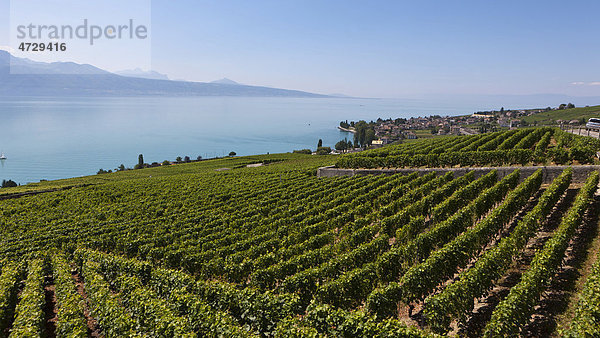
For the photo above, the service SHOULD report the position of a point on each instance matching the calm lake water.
(49, 138)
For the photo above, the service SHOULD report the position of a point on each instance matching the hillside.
(550, 118)
(195, 250)
(71, 79)
(526, 146)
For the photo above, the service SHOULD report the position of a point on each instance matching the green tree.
(570, 105)
(232, 153)
(361, 128)
(323, 150)
(341, 145)
(8, 184)
(166, 162)
(369, 136)
(320, 143)
(141, 160)
(178, 159)
(121, 167)
(187, 159)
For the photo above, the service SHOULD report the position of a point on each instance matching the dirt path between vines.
(485, 306)
(557, 305)
(92, 324)
(50, 309)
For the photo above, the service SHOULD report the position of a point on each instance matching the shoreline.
(347, 130)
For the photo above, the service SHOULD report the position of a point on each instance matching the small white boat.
(2, 157)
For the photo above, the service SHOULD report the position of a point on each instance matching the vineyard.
(513, 147)
(194, 250)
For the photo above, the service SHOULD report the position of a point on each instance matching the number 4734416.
(41, 47)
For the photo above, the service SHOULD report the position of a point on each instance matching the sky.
(394, 49)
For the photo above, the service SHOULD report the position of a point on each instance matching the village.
(391, 130)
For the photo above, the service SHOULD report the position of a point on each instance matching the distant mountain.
(226, 81)
(143, 74)
(26, 66)
(340, 95)
(71, 79)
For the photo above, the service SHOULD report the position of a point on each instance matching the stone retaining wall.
(580, 172)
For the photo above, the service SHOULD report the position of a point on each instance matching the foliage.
(457, 299)
(189, 250)
(515, 309)
(9, 183)
(29, 313)
(70, 319)
(587, 313)
(513, 147)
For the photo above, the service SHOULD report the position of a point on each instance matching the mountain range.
(23, 77)
(143, 74)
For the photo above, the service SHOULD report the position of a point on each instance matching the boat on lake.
(2, 157)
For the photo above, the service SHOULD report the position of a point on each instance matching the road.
(581, 131)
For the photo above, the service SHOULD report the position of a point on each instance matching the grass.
(565, 114)
(424, 133)
(287, 159)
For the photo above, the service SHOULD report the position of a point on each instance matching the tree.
(199, 158)
(502, 110)
(341, 145)
(350, 145)
(8, 184)
(140, 163)
(323, 150)
(121, 167)
(178, 159)
(187, 159)
(232, 153)
(562, 106)
(369, 136)
(360, 137)
(166, 162)
(320, 143)
(570, 105)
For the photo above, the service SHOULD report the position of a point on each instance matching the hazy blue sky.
(380, 48)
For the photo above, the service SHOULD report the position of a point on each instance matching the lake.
(53, 138)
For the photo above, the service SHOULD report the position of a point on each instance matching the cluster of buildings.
(388, 131)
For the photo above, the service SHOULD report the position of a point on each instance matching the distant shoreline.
(347, 130)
